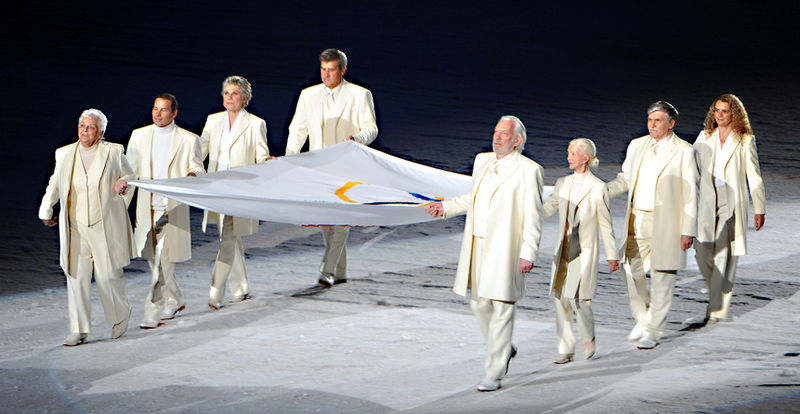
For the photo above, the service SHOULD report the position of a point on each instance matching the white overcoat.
(248, 148)
(592, 214)
(675, 210)
(184, 158)
(109, 166)
(514, 230)
(741, 169)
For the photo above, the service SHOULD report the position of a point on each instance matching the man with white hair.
(157, 151)
(327, 114)
(93, 225)
(501, 240)
(660, 175)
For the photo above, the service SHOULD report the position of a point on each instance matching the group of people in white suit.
(91, 182)
(660, 175)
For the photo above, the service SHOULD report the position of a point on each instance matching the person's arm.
(368, 127)
(51, 195)
(298, 128)
(262, 150)
(755, 183)
(689, 179)
(532, 217)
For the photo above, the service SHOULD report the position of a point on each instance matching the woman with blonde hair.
(583, 210)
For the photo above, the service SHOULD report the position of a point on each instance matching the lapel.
(239, 126)
(509, 170)
(737, 140)
(173, 146)
(99, 165)
(343, 98)
(668, 151)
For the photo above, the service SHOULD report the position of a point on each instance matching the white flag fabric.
(346, 184)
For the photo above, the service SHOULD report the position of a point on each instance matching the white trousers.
(164, 293)
(229, 266)
(585, 318)
(649, 306)
(496, 321)
(89, 255)
(495, 318)
(718, 266)
(334, 262)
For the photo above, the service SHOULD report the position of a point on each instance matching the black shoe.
(511, 356)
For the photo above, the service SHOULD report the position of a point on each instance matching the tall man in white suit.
(327, 114)
(660, 175)
(93, 225)
(162, 235)
(728, 162)
(231, 139)
(501, 240)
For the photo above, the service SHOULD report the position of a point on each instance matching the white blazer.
(513, 231)
(249, 147)
(591, 214)
(109, 166)
(354, 114)
(184, 158)
(741, 169)
(675, 209)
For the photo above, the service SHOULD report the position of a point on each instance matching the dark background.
(441, 73)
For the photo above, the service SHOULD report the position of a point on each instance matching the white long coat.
(184, 158)
(741, 169)
(675, 212)
(109, 166)
(248, 148)
(592, 214)
(514, 230)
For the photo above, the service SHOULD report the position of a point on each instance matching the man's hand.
(435, 209)
(758, 221)
(121, 186)
(686, 242)
(613, 265)
(525, 266)
(50, 222)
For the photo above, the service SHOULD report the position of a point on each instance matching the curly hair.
(739, 119)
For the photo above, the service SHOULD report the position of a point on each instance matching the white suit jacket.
(249, 148)
(355, 116)
(514, 230)
(109, 166)
(741, 169)
(592, 214)
(184, 158)
(675, 209)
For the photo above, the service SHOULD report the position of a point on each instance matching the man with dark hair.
(660, 176)
(162, 236)
(327, 114)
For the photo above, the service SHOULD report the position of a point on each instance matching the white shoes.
(648, 341)
(149, 324)
(636, 333)
(169, 314)
(489, 385)
(240, 298)
(121, 327)
(75, 339)
(215, 305)
(563, 359)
